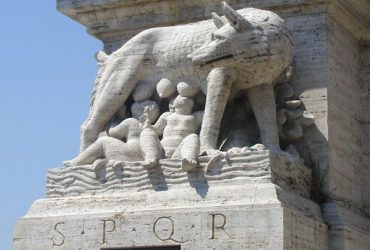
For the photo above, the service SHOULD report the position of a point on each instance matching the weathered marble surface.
(331, 77)
(222, 170)
(349, 229)
(97, 15)
(243, 216)
(365, 102)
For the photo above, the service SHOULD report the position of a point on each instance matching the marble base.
(250, 216)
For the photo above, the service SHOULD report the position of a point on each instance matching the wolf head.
(237, 39)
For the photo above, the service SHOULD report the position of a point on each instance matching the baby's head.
(145, 110)
(182, 105)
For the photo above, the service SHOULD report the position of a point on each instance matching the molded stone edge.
(250, 195)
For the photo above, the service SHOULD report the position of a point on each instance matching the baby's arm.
(198, 118)
(159, 126)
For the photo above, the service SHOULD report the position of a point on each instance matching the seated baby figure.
(179, 130)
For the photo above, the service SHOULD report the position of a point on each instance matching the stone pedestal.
(256, 216)
(227, 208)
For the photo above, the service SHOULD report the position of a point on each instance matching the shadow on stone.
(101, 175)
(197, 180)
(118, 171)
(157, 179)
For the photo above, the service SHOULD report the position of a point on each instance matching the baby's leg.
(150, 147)
(189, 149)
(92, 153)
(114, 149)
(108, 147)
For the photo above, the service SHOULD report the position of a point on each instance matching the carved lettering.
(220, 226)
(61, 241)
(171, 231)
(161, 225)
(106, 230)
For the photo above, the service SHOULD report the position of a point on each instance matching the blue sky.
(47, 70)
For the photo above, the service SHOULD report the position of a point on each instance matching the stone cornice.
(110, 20)
(73, 7)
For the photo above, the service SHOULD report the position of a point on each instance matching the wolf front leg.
(262, 100)
(219, 83)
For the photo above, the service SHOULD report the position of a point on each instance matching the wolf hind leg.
(118, 85)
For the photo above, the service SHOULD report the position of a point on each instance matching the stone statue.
(246, 49)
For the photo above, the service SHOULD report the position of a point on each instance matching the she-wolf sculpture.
(245, 49)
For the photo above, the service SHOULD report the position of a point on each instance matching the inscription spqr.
(59, 240)
(164, 229)
(109, 226)
(218, 224)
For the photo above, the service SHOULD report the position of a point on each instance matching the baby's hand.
(146, 124)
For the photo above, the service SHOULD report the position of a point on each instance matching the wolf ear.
(219, 22)
(235, 19)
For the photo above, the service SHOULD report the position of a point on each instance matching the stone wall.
(365, 122)
(345, 176)
(309, 81)
(348, 100)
